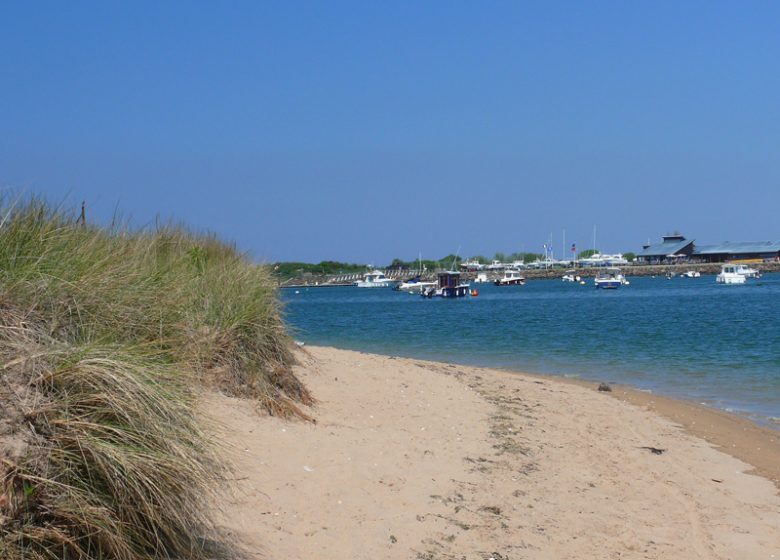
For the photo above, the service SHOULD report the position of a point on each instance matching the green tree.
(630, 257)
(532, 257)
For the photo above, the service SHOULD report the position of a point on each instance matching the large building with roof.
(672, 248)
(676, 248)
(740, 251)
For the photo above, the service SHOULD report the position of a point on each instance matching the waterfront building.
(673, 248)
(762, 251)
(677, 249)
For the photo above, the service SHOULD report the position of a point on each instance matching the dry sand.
(412, 459)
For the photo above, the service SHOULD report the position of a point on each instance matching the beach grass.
(106, 336)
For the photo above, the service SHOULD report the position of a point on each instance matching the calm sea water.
(688, 337)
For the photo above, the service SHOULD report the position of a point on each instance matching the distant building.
(673, 248)
(729, 251)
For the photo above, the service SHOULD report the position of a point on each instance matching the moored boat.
(375, 279)
(448, 286)
(511, 278)
(472, 265)
(571, 276)
(610, 279)
(729, 275)
(747, 271)
(414, 285)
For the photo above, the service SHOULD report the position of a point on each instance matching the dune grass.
(105, 336)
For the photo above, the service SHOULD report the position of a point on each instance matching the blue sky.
(364, 131)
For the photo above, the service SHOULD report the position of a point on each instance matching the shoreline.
(739, 436)
(409, 458)
(637, 270)
(763, 423)
(733, 433)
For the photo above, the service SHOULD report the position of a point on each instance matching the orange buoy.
(474, 293)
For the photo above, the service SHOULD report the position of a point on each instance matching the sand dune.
(412, 459)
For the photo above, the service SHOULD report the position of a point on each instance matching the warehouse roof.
(738, 248)
(671, 245)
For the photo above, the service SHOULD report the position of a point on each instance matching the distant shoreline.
(335, 280)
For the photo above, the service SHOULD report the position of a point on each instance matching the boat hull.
(738, 279)
(513, 282)
(608, 284)
(383, 284)
(448, 292)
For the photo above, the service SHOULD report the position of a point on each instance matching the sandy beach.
(413, 459)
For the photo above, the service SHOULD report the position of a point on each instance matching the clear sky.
(364, 131)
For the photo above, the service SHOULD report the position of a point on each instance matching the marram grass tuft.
(105, 337)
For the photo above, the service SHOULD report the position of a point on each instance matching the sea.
(691, 338)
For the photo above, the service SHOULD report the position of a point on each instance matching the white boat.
(747, 272)
(472, 265)
(691, 274)
(414, 285)
(511, 278)
(481, 278)
(571, 276)
(496, 265)
(375, 279)
(610, 279)
(729, 275)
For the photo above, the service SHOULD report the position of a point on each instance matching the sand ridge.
(414, 459)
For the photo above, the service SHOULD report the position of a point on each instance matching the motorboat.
(496, 265)
(375, 279)
(747, 271)
(729, 275)
(414, 285)
(472, 265)
(571, 276)
(449, 285)
(690, 274)
(482, 278)
(610, 279)
(511, 278)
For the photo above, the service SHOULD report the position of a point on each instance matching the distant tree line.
(287, 270)
(450, 261)
(293, 269)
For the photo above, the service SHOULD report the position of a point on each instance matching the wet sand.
(414, 459)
